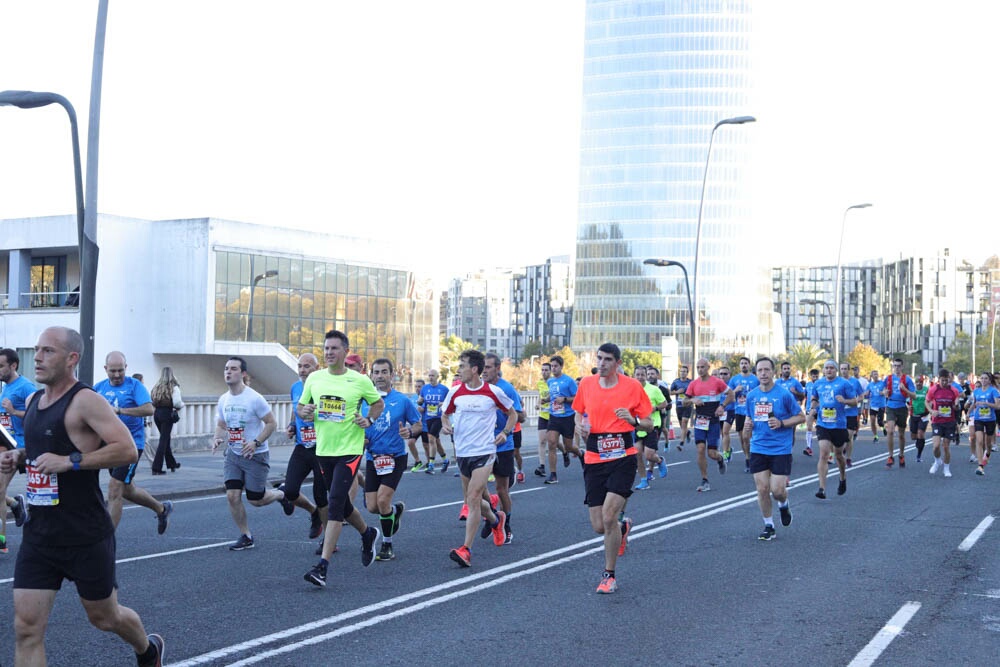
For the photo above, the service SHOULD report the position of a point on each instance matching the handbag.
(175, 416)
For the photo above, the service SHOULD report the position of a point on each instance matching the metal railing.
(43, 300)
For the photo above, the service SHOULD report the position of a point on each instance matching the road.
(696, 586)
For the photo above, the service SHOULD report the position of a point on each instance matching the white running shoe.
(935, 467)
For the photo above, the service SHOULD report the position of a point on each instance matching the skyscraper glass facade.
(657, 77)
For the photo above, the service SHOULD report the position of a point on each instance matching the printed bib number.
(6, 421)
(829, 414)
(384, 465)
(332, 409)
(308, 434)
(236, 435)
(984, 411)
(762, 412)
(432, 410)
(701, 422)
(945, 411)
(41, 489)
(610, 447)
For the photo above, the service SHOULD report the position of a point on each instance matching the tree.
(451, 348)
(632, 358)
(867, 359)
(958, 357)
(523, 375)
(805, 356)
(533, 348)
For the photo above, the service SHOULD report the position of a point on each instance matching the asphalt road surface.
(894, 572)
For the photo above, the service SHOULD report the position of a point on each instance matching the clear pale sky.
(454, 125)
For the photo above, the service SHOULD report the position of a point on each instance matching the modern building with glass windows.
(191, 293)
(657, 77)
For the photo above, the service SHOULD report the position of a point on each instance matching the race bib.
(610, 447)
(945, 411)
(829, 414)
(384, 464)
(6, 421)
(236, 435)
(432, 410)
(308, 435)
(332, 409)
(762, 412)
(701, 422)
(41, 489)
(984, 411)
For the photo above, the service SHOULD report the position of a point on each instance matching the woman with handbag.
(167, 402)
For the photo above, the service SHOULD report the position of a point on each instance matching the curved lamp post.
(738, 120)
(687, 285)
(253, 288)
(836, 280)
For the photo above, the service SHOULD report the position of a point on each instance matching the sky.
(452, 126)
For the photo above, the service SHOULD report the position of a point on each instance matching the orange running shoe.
(499, 534)
(462, 556)
(464, 514)
(626, 529)
(608, 584)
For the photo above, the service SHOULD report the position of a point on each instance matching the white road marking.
(976, 533)
(870, 653)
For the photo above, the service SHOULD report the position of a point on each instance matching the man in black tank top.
(68, 521)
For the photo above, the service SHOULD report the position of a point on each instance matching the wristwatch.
(75, 459)
(256, 443)
(506, 432)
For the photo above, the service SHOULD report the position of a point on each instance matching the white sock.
(768, 521)
(809, 439)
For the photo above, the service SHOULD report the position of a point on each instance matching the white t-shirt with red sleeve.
(473, 415)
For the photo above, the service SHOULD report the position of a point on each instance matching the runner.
(432, 396)
(562, 389)
(794, 387)
(385, 454)
(70, 435)
(411, 443)
(647, 441)
(615, 406)
(653, 377)
(543, 418)
(856, 370)
(709, 396)
(503, 469)
(303, 459)
(943, 400)
(919, 417)
(810, 422)
(473, 404)
(773, 412)
(244, 422)
(16, 390)
(678, 388)
(332, 399)
(898, 389)
(132, 404)
(985, 403)
(741, 384)
(876, 401)
(831, 395)
(852, 411)
(726, 424)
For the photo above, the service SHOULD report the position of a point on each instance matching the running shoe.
(512, 481)
(499, 534)
(680, 446)
(552, 479)
(540, 471)
(485, 529)
(491, 478)
(746, 466)
(385, 553)
(462, 556)
(947, 470)
(245, 542)
(727, 455)
(821, 494)
(767, 534)
(626, 529)
(444, 465)
(842, 487)
(163, 519)
(723, 466)
(157, 641)
(662, 467)
(608, 584)
(400, 508)
(808, 451)
(972, 458)
(509, 538)
(850, 464)
(649, 476)
(316, 576)
(979, 471)
(704, 486)
(287, 505)
(3, 544)
(315, 525)
(519, 477)
(687, 438)
(920, 459)
(19, 510)
(642, 485)
(319, 549)
(368, 539)
(786, 515)
(876, 438)
(464, 513)
(565, 459)
(888, 462)
(417, 467)
(935, 467)
(902, 461)
(430, 468)
(494, 501)
(885, 432)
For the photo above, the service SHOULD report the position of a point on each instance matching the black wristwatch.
(75, 458)
(256, 443)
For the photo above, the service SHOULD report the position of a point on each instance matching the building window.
(48, 281)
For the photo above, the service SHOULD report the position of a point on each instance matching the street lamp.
(836, 289)
(738, 120)
(26, 99)
(829, 312)
(531, 368)
(253, 287)
(687, 286)
(993, 336)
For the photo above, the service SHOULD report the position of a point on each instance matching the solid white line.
(870, 653)
(976, 533)
(462, 502)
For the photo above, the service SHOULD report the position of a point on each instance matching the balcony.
(33, 300)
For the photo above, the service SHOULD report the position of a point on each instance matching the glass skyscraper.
(657, 77)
